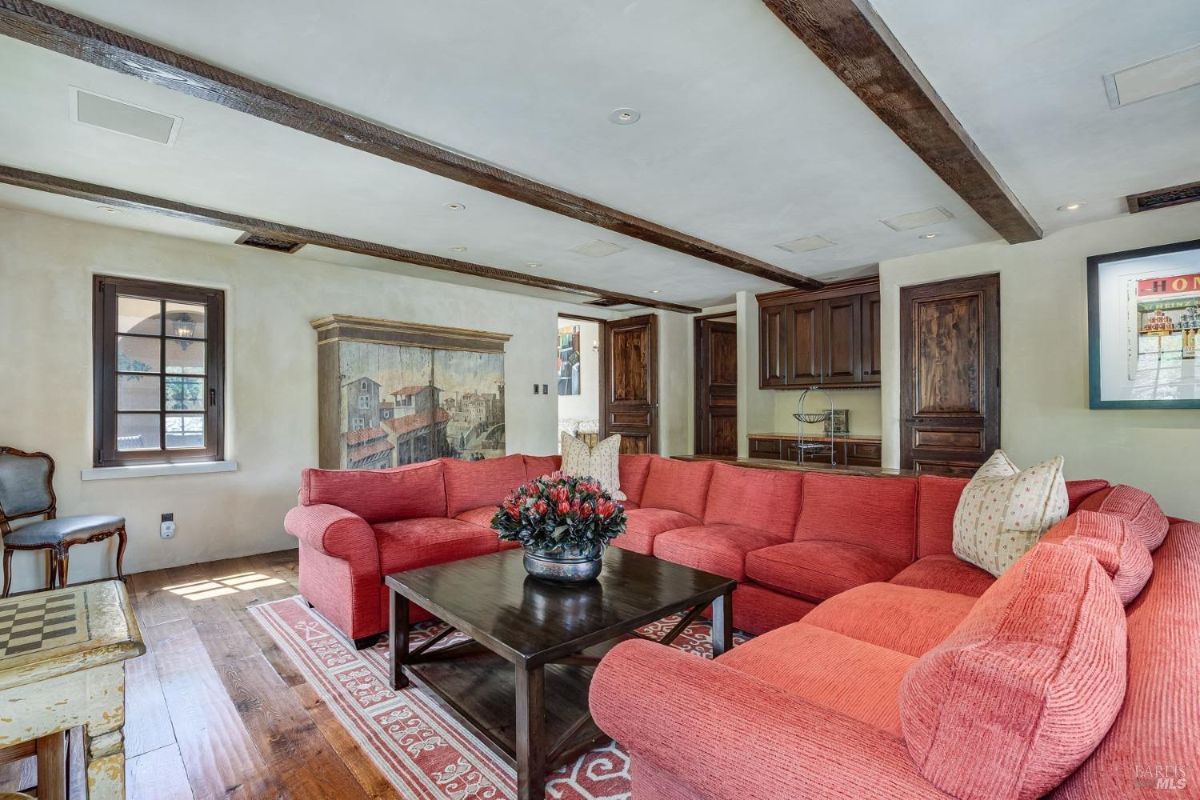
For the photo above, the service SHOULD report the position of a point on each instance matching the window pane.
(135, 354)
(138, 315)
(185, 394)
(185, 431)
(185, 358)
(186, 320)
(138, 393)
(137, 432)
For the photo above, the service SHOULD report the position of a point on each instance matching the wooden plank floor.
(215, 709)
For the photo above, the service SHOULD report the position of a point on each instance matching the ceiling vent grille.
(607, 302)
(1164, 198)
(268, 243)
(118, 116)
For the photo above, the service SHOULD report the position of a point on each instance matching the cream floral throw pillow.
(599, 462)
(1003, 511)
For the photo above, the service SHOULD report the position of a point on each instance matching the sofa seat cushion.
(1110, 540)
(1148, 521)
(852, 677)
(481, 516)
(1028, 684)
(815, 569)
(902, 618)
(471, 484)
(946, 573)
(720, 549)
(642, 525)
(412, 543)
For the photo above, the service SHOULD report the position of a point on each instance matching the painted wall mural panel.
(393, 393)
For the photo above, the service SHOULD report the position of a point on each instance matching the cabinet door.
(765, 448)
(872, 368)
(772, 346)
(806, 336)
(842, 340)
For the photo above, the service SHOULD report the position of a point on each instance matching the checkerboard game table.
(62, 657)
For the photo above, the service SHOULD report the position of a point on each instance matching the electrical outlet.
(166, 528)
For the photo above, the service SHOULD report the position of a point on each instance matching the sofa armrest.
(335, 532)
(733, 736)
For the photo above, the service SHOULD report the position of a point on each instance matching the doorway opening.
(579, 378)
(716, 385)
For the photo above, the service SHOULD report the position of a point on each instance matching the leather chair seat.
(64, 529)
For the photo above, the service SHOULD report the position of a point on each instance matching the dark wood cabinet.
(856, 452)
(828, 337)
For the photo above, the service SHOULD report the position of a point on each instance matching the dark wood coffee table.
(521, 682)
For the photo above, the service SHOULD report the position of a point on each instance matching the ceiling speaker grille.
(268, 243)
(1164, 198)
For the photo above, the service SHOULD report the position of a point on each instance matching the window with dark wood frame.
(159, 361)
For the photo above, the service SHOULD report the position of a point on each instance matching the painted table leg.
(531, 734)
(105, 764)
(722, 624)
(397, 638)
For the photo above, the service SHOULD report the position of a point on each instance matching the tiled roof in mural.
(402, 425)
(363, 435)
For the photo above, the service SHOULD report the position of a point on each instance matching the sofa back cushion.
(937, 500)
(472, 484)
(378, 495)
(1080, 490)
(633, 470)
(880, 513)
(1025, 687)
(1148, 521)
(537, 466)
(764, 499)
(677, 485)
(1151, 750)
(1108, 539)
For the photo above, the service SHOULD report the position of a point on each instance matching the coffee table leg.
(397, 638)
(722, 624)
(531, 735)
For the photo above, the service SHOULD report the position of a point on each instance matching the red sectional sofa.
(1076, 675)
(791, 539)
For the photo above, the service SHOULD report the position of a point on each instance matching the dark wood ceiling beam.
(74, 36)
(864, 54)
(120, 198)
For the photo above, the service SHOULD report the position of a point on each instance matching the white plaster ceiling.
(745, 139)
(1026, 78)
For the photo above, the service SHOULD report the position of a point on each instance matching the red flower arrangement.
(557, 512)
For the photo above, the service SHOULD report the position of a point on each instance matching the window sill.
(157, 470)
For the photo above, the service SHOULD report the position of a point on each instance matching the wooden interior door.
(716, 388)
(950, 375)
(629, 385)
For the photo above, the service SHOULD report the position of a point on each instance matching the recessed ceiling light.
(456, 206)
(458, 249)
(655, 291)
(1072, 206)
(624, 116)
(532, 264)
(928, 236)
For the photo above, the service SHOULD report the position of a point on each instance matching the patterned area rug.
(419, 747)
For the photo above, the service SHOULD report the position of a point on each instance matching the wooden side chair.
(27, 490)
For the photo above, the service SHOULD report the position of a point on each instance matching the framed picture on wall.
(1144, 327)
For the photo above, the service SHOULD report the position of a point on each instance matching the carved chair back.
(26, 486)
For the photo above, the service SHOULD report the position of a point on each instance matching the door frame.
(600, 376)
(698, 360)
